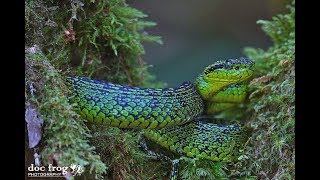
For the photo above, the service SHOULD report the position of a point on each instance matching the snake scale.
(168, 114)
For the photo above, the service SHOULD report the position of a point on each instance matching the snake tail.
(174, 162)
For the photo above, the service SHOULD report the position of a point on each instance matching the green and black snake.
(168, 115)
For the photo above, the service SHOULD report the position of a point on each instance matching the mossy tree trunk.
(98, 39)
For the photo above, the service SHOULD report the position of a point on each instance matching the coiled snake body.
(124, 106)
(168, 114)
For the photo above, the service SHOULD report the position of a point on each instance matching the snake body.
(129, 107)
(199, 139)
(168, 114)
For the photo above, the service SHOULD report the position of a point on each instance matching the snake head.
(223, 73)
(229, 71)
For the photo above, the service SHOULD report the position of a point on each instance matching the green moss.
(271, 106)
(98, 39)
(201, 169)
(121, 151)
(66, 138)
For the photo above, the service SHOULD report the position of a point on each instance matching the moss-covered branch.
(101, 39)
(271, 107)
(66, 138)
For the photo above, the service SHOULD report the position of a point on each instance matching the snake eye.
(236, 68)
(212, 68)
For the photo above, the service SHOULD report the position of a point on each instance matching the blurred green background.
(198, 32)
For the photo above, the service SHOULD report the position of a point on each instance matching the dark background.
(196, 33)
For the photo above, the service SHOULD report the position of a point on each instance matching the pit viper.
(168, 115)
